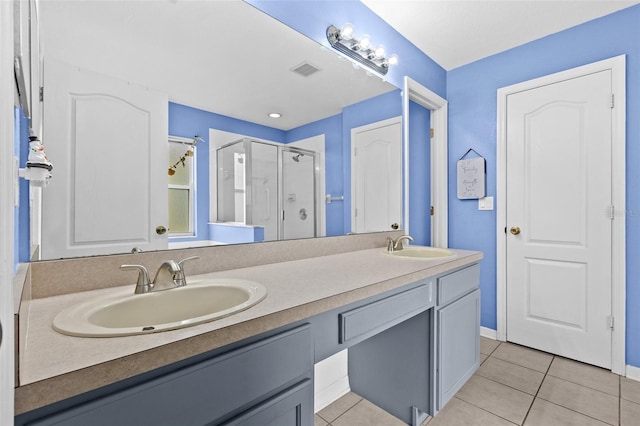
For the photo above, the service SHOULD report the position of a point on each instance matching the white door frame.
(414, 91)
(7, 188)
(618, 272)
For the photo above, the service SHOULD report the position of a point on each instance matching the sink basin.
(422, 252)
(123, 315)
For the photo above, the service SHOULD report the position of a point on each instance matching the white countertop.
(296, 290)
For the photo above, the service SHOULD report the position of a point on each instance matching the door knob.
(160, 230)
(515, 230)
(394, 226)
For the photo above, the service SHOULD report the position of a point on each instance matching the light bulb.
(347, 31)
(364, 43)
(393, 60)
(379, 52)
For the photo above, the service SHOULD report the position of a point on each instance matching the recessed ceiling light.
(275, 115)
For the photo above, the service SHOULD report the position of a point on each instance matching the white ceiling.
(222, 56)
(457, 32)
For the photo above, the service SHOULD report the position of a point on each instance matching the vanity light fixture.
(360, 49)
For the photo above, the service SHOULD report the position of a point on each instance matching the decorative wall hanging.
(471, 176)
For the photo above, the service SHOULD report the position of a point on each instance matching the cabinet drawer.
(452, 286)
(293, 407)
(385, 313)
(204, 392)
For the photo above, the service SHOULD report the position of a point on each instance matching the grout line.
(346, 411)
(485, 410)
(538, 391)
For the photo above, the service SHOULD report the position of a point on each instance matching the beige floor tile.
(585, 375)
(501, 400)
(629, 413)
(483, 358)
(513, 375)
(319, 421)
(338, 407)
(590, 402)
(364, 413)
(427, 420)
(544, 413)
(488, 345)
(523, 356)
(630, 390)
(458, 412)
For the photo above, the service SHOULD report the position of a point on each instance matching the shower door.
(298, 201)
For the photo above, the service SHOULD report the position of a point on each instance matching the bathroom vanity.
(411, 327)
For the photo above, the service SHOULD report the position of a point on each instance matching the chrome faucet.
(396, 245)
(169, 275)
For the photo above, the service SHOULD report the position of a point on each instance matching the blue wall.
(419, 174)
(471, 92)
(21, 213)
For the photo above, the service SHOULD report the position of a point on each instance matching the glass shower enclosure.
(270, 186)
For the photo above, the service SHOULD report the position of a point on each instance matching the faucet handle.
(390, 244)
(179, 278)
(144, 284)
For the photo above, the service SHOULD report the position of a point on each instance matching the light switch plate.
(485, 203)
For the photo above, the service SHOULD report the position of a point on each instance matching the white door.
(559, 220)
(107, 140)
(376, 182)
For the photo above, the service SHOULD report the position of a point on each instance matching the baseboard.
(331, 379)
(488, 333)
(633, 372)
(324, 397)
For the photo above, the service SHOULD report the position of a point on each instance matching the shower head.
(296, 157)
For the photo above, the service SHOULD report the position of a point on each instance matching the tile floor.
(516, 385)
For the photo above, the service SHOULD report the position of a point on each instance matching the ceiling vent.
(305, 69)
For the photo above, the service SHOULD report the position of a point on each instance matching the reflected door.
(558, 218)
(376, 186)
(298, 194)
(107, 140)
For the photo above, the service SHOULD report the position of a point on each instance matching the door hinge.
(611, 211)
(41, 92)
(610, 322)
(431, 133)
(432, 211)
(355, 212)
(613, 100)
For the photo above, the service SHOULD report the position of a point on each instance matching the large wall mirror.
(218, 69)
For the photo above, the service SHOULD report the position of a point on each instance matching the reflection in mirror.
(207, 78)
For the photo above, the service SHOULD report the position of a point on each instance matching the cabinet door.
(293, 407)
(458, 345)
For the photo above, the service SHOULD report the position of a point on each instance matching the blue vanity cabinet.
(457, 331)
(266, 382)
